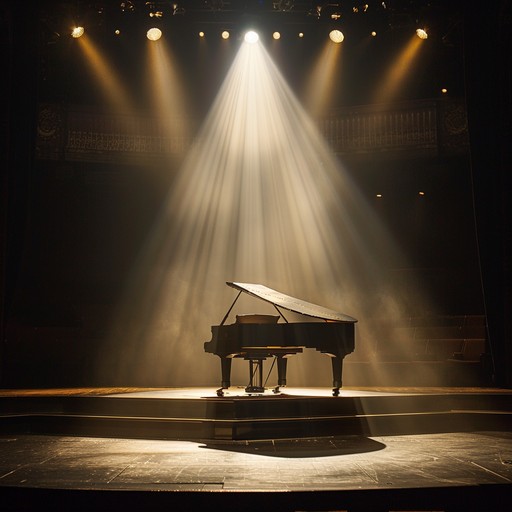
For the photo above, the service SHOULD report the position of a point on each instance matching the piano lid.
(291, 303)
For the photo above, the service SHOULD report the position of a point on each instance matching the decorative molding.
(412, 129)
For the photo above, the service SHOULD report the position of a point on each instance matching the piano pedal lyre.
(255, 365)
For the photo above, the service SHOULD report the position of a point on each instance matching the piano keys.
(256, 338)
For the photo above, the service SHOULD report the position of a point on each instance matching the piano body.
(258, 337)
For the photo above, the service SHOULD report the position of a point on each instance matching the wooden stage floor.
(378, 449)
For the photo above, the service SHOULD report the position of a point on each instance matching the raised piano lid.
(291, 303)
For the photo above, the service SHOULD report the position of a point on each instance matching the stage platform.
(298, 450)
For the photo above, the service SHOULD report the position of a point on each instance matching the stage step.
(257, 417)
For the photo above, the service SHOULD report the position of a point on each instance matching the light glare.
(421, 33)
(251, 37)
(154, 34)
(336, 36)
(77, 32)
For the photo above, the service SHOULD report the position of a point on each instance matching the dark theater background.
(140, 176)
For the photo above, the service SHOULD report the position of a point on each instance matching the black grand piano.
(258, 337)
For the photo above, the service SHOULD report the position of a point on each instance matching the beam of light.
(319, 88)
(103, 71)
(259, 198)
(170, 101)
(398, 71)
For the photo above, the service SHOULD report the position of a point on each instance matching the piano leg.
(337, 365)
(225, 367)
(281, 370)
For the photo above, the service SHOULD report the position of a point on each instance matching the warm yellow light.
(301, 34)
(260, 197)
(110, 83)
(154, 34)
(225, 34)
(400, 68)
(77, 32)
(336, 36)
(373, 33)
(323, 78)
(201, 34)
(421, 33)
(276, 35)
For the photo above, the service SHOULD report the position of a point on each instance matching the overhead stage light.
(276, 35)
(421, 33)
(77, 32)
(251, 37)
(225, 34)
(336, 36)
(154, 34)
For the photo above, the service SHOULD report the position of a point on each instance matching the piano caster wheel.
(220, 392)
(336, 392)
(276, 390)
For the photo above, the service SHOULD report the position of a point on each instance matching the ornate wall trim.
(405, 130)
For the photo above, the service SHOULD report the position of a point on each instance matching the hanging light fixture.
(336, 36)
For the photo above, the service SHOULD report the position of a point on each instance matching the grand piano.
(256, 338)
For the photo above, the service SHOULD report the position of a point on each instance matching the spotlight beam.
(259, 198)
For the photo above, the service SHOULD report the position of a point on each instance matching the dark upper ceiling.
(441, 15)
(62, 75)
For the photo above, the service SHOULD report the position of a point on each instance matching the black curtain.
(489, 96)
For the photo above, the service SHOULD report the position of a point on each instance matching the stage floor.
(435, 471)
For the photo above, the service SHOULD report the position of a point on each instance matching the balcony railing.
(412, 129)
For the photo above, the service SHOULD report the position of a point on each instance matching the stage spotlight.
(336, 36)
(421, 33)
(225, 34)
(276, 35)
(77, 32)
(251, 37)
(154, 34)
(201, 34)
